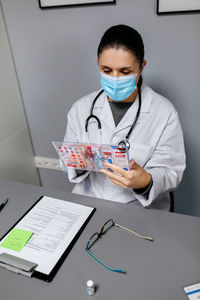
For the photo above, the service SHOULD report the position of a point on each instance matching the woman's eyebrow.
(126, 68)
(105, 67)
(122, 68)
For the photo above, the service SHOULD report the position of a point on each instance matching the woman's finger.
(117, 169)
(114, 176)
(119, 184)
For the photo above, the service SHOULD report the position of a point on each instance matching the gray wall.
(55, 56)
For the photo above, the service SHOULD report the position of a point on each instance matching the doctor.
(128, 111)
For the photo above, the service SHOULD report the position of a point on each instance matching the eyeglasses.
(109, 224)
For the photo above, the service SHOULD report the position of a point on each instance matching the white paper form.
(54, 224)
(193, 291)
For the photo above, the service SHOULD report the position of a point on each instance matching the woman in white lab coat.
(156, 141)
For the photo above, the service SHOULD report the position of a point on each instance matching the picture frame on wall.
(65, 3)
(177, 6)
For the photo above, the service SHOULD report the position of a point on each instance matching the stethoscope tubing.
(91, 113)
(124, 142)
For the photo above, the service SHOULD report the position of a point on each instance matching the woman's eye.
(126, 73)
(122, 72)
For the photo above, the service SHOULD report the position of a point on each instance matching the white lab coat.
(156, 144)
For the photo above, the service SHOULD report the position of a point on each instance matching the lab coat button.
(115, 140)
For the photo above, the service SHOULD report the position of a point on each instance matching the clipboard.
(72, 217)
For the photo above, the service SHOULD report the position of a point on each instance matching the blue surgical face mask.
(118, 88)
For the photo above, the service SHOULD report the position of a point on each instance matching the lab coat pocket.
(141, 153)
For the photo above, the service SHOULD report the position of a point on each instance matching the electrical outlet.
(47, 163)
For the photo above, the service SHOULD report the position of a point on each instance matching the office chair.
(171, 195)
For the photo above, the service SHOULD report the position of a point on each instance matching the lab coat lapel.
(103, 110)
(129, 117)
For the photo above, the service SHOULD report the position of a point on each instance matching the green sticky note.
(17, 239)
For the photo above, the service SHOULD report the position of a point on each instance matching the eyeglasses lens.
(93, 239)
(107, 226)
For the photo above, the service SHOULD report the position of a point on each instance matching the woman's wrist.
(148, 179)
(144, 190)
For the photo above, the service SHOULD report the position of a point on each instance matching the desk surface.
(155, 270)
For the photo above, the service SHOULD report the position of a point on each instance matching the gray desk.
(155, 270)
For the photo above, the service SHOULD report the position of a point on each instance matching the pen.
(3, 204)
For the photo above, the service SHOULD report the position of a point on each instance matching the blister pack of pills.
(91, 157)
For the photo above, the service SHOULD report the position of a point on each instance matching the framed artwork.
(177, 6)
(64, 3)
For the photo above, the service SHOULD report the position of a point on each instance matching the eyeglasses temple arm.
(114, 270)
(137, 234)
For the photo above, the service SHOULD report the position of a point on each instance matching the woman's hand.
(136, 178)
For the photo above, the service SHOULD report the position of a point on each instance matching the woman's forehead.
(117, 56)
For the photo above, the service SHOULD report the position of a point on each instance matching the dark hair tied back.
(123, 36)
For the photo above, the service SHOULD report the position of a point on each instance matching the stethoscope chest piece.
(124, 144)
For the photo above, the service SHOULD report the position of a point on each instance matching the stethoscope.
(124, 143)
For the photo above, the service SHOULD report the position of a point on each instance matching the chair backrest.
(171, 195)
